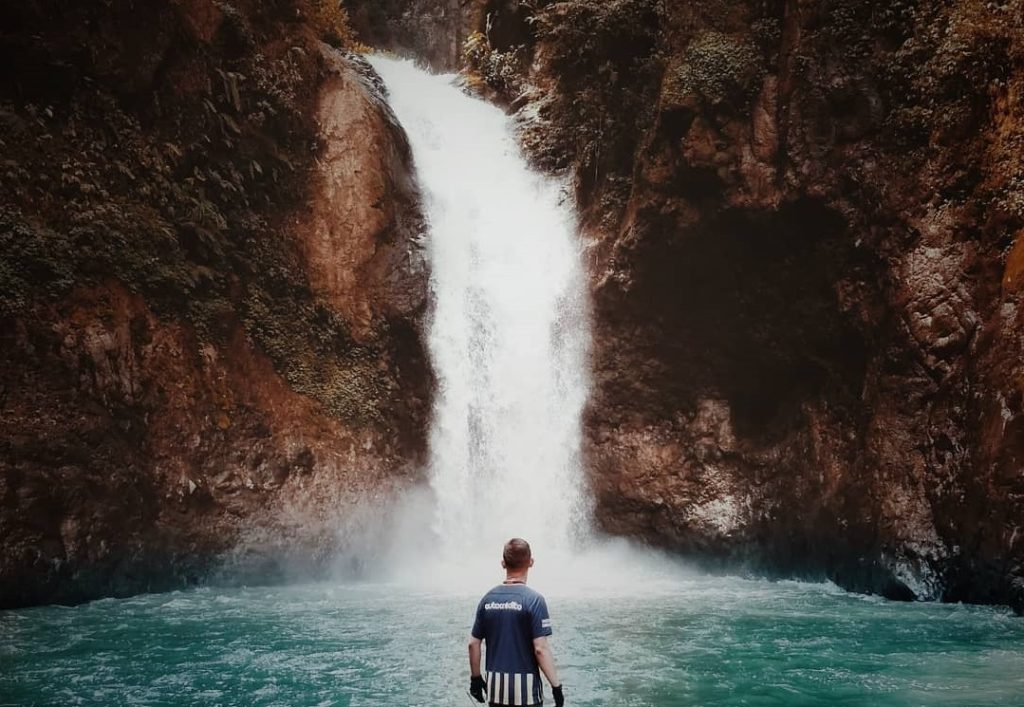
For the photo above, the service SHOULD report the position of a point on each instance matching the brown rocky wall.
(804, 223)
(212, 291)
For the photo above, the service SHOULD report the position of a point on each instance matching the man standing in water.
(513, 621)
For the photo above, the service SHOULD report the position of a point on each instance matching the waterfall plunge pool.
(697, 641)
(509, 337)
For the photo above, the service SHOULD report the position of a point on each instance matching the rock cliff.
(210, 294)
(805, 224)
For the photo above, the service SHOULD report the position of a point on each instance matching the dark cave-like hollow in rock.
(748, 306)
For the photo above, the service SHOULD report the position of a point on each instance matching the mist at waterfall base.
(508, 339)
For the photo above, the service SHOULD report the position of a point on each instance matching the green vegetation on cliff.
(170, 165)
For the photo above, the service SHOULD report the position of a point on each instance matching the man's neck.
(515, 578)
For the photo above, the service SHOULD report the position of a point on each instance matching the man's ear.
(503, 565)
(531, 562)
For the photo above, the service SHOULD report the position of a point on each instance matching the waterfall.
(508, 332)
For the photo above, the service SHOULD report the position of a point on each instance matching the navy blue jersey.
(508, 618)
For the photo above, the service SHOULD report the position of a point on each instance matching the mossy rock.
(718, 70)
(31, 259)
(184, 212)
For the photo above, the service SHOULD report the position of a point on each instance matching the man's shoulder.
(497, 589)
(532, 594)
(518, 591)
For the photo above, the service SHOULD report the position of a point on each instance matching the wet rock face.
(137, 457)
(361, 239)
(804, 225)
(210, 324)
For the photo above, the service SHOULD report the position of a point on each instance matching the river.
(695, 641)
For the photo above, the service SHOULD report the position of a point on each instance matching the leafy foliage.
(940, 77)
(330, 21)
(605, 57)
(502, 71)
(179, 197)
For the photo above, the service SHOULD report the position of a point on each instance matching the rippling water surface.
(689, 642)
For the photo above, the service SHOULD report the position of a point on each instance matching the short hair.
(516, 554)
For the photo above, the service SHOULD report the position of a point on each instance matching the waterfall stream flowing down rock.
(508, 332)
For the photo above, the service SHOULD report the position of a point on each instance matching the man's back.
(509, 617)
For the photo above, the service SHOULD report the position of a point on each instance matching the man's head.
(516, 557)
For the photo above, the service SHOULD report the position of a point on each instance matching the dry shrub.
(330, 20)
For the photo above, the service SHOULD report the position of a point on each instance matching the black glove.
(477, 686)
(556, 692)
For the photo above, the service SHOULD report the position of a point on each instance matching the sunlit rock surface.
(362, 234)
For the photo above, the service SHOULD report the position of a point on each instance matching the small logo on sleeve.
(545, 623)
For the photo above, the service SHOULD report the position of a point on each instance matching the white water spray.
(509, 330)
(509, 337)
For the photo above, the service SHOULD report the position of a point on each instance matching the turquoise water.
(705, 641)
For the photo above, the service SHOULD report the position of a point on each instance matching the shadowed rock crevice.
(747, 307)
(743, 366)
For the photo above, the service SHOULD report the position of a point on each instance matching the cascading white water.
(509, 329)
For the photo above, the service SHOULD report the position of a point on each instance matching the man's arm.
(474, 656)
(545, 659)
(477, 684)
